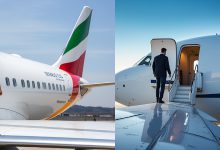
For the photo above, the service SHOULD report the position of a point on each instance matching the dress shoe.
(161, 101)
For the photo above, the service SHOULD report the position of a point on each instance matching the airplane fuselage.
(33, 90)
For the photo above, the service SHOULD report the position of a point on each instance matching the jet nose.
(133, 87)
(119, 83)
(121, 86)
(121, 78)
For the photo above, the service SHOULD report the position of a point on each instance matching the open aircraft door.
(170, 45)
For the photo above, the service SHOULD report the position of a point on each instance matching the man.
(160, 68)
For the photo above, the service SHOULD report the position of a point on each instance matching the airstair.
(184, 94)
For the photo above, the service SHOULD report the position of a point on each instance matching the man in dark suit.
(160, 68)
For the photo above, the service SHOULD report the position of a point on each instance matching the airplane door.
(170, 45)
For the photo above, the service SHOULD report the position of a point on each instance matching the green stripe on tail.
(79, 34)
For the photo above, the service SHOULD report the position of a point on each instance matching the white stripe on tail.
(72, 59)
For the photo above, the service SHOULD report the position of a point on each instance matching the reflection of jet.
(165, 126)
(32, 90)
(195, 78)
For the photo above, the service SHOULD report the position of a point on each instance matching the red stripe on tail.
(75, 67)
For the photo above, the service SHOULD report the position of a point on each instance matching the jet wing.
(165, 126)
(92, 85)
(75, 134)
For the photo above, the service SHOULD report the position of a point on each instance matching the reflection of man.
(156, 122)
(160, 68)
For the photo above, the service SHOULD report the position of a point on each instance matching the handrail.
(193, 89)
(194, 77)
(175, 72)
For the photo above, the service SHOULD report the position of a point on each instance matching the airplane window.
(22, 83)
(7, 81)
(49, 86)
(64, 87)
(38, 85)
(44, 85)
(60, 88)
(14, 82)
(53, 86)
(28, 83)
(57, 87)
(33, 84)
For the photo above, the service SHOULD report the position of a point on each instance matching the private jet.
(195, 76)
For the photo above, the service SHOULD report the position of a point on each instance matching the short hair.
(163, 50)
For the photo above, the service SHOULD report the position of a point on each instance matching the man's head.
(163, 50)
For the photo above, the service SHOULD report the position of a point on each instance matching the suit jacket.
(161, 66)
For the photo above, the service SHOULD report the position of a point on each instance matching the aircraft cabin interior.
(188, 64)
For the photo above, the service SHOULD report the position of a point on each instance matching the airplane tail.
(72, 58)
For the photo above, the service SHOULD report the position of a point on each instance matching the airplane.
(195, 75)
(189, 118)
(31, 90)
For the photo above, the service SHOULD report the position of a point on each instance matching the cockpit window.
(144, 61)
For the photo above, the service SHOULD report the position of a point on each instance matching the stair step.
(182, 92)
(184, 88)
(181, 100)
(177, 96)
(187, 90)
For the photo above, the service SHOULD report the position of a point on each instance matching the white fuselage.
(37, 98)
(134, 85)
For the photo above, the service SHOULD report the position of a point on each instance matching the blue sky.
(137, 22)
(39, 30)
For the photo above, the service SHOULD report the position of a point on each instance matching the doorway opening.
(188, 64)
